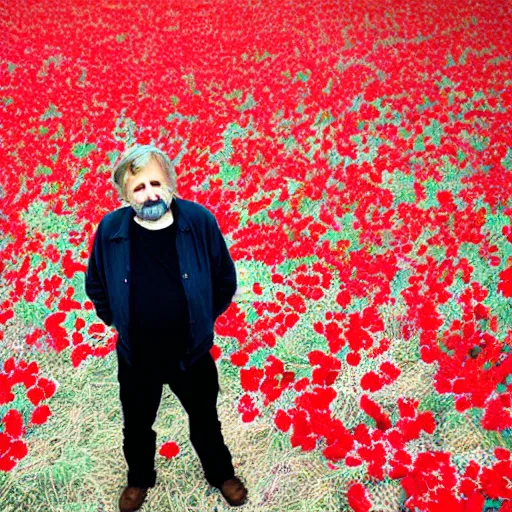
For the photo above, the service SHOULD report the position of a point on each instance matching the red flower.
(301, 384)
(361, 434)
(497, 414)
(353, 461)
(371, 382)
(5, 441)
(9, 365)
(169, 450)
(47, 386)
(374, 411)
(462, 403)
(390, 371)
(257, 289)
(358, 498)
(337, 450)
(6, 463)
(282, 420)
(80, 353)
(6, 394)
(250, 378)
(216, 352)
(40, 415)
(13, 422)
(506, 506)
(353, 358)
(407, 407)
(239, 358)
(36, 395)
(427, 422)
(495, 481)
(18, 450)
(502, 453)
(247, 408)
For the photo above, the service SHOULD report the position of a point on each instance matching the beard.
(152, 210)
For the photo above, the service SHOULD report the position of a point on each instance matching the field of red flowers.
(360, 153)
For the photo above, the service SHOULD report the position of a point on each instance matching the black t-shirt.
(159, 317)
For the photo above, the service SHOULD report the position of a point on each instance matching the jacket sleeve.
(224, 280)
(95, 286)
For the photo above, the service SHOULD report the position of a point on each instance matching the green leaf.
(82, 150)
(259, 357)
(42, 170)
(303, 76)
(419, 143)
(51, 113)
(435, 131)
(401, 185)
(229, 172)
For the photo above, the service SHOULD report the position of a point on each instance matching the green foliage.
(366, 152)
(20, 403)
(73, 465)
(232, 131)
(303, 76)
(31, 313)
(51, 113)
(419, 143)
(347, 232)
(356, 103)
(39, 218)
(439, 405)
(288, 266)
(400, 282)
(80, 178)
(335, 159)
(248, 104)
(229, 173)
(401, 185)
(492, 505)
(506, 161)
(493, 226)
(83, 150)
(50, 188)
(112, 156)
(258, 357)
(432, 187)
(435, 131)
(42, 170)
(80, 507)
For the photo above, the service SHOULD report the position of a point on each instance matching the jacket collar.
(127, 214)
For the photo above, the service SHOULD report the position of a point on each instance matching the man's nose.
(152, 195)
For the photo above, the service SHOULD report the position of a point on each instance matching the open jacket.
(207, 270)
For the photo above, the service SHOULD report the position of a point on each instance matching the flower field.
(358, 159)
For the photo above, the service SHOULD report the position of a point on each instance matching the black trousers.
(197, 389)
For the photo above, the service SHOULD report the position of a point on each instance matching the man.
(161, 273)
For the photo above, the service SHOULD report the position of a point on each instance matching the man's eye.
(141, 187)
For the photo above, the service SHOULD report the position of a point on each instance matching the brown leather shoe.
(132, 499)
(234, 492)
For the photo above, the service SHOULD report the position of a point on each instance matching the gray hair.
(137, 157)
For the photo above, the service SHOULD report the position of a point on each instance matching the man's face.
(149, 192)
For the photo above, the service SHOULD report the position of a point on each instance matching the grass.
(75, 460)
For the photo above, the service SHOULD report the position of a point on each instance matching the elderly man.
(161, 273)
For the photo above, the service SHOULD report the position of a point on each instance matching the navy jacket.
(208, 273)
